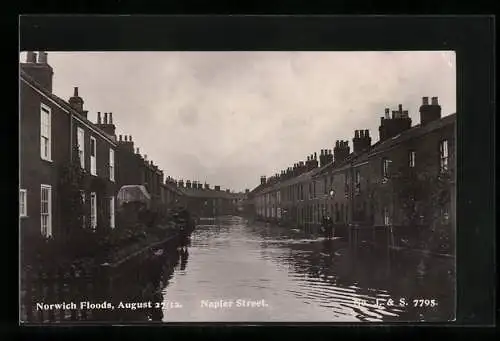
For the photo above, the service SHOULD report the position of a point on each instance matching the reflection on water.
(236, 271)
(301, 278)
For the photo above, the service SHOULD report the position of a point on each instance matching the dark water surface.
(240, 271)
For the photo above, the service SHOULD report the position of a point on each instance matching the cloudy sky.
(229, 117)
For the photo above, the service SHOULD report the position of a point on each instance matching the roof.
(172, 187)
(264, 188)
(207, 193)
(414, 132)
(65, 105)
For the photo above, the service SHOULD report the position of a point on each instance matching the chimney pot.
(98, 117)
(434, 101)
(42, 58)
(110, 118)
(105, 118)
(367, 132)
(130, 138)
(31, 57)
(394, 114)
(75, 92)
(137, 151)
(126, 138)
(315, 156)
(119, 137)
(400, 107)
(425, 100)
(145, 156)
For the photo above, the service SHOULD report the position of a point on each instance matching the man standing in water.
(328, 223)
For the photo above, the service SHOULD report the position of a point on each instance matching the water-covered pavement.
(240, 271)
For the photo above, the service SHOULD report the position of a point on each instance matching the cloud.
(230, 117)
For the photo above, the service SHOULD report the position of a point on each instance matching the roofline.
(35, 86)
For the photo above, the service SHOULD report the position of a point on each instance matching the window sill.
(46, 160)
(23, 216)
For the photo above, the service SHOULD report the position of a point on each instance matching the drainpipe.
(71, 137)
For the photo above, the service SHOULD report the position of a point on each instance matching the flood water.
(236, 271)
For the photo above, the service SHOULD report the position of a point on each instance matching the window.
(93, 153)
(112, 212)
(387, 218)
(93, 210)
(385, 167)
(411, 158)
(46, 210)
(82, 193)
(443, 156)
(445, 215)
(111, 164)
(45, 133)
(358, 181)
(22, 203)
(81, 146)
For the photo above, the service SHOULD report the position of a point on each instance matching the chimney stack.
(99, 120)
(429, 113)
(207, 186)
(76, 101)
(361, 141)
(39, 70)
(341, 150)
(399, 122)
(217, 188)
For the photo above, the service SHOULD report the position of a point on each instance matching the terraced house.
(204, 201)
(52, 130)
(406, 178)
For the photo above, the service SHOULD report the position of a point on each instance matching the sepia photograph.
(237, 186)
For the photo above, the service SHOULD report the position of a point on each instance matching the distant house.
(203, 201)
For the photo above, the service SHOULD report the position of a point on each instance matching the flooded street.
(236, 271)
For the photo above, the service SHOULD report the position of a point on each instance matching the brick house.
(170, 193)
(135, 169)
(203, 201)
(356, 188)
(51, 130)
